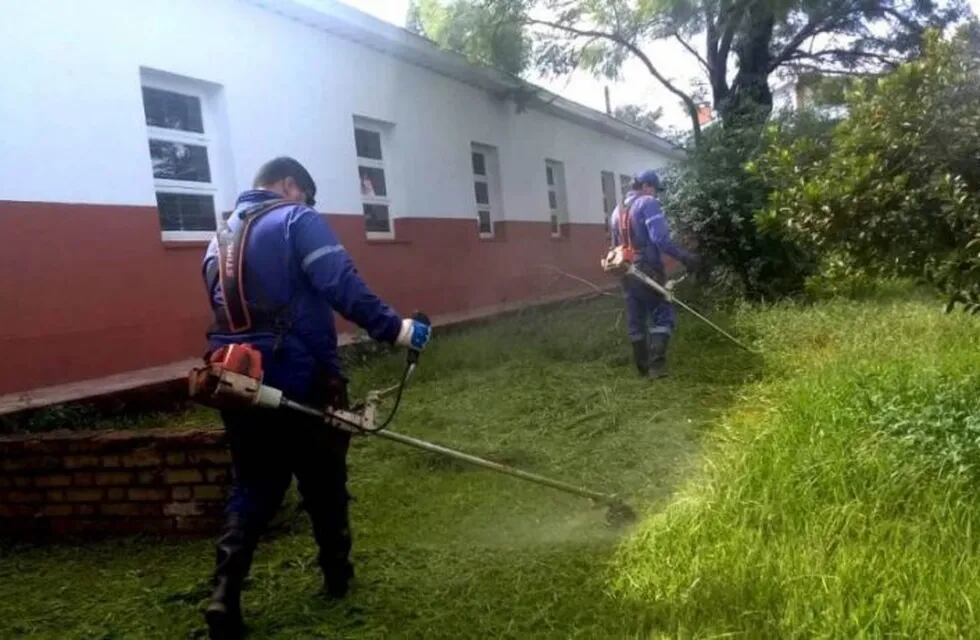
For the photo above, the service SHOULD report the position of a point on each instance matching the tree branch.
(693, 52)
(907, 22)
(831, 71)
(688, 101)
(810, 29)
(823, 53)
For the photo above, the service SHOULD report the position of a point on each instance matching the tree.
(490, 36)
(640, 117)
(742, 42)
(898, 190)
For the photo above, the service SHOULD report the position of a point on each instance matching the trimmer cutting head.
(620, 514)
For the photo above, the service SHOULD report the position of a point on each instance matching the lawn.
(442, 550)
(824, 488)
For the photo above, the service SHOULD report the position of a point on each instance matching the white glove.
(414, 334)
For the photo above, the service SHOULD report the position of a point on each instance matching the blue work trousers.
(646, 311)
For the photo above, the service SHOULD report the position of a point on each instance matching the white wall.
(72, 128)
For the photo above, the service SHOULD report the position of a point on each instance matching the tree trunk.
(749, 100)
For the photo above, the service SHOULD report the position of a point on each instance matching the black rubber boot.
(641, 356)
(337, 577)
(658, 355)
(332, 533)
(234, 556)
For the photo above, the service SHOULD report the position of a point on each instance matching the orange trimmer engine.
(620, 257)
(232, 378)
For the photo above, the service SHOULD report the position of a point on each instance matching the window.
(625, 182)
(555, 179)
(181, 146)
(486, 188)
(609, 199)
(373, 180)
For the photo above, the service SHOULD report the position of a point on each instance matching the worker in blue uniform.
(651, 319)
(274, 278)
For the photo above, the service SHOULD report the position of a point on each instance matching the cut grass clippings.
(441, 550)
(836, 494)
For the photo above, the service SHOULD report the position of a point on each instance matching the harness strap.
(625, 233)
(231, 266)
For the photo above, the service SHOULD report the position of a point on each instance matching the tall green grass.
(839, 496)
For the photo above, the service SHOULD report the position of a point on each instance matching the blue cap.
(648, 177)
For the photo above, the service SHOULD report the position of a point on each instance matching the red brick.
(157, 524)
(182, 476)
(147, 495)
(210, 456)
(111, 461)
(142, 458)
(16, 511)
(83, 479)
(199, 524)
(115, 493)
(208, 492)
(56, 510)
(182, 509)
(81, 462)
(83, 495)
(176, 457)
(108, 478)
(22, 496)
(149, 477)
(5, 482)
(120, 509)
(216, 475)
(41, 463)
(182, 493)
(59, 480)
(54, 495)
(85, 509)
(23, 481)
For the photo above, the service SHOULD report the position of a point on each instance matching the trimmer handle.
(413, 354)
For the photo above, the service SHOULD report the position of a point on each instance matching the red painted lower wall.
(91, 290)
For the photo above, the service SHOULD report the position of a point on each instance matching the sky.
(670, 58)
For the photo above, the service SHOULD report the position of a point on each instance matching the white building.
(128, 127)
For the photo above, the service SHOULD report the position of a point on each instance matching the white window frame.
(383, 135)
(491, 178)
(607, 206)
(557, 217)
(207, 140)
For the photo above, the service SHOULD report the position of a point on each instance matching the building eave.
(350, 24)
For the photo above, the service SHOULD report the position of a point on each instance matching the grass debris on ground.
(826, 488)
(441, 550)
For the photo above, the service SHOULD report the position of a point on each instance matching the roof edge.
(351, 24)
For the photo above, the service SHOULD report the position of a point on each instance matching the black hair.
(285, 167)
(636, 185)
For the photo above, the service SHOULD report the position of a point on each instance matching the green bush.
(898, 194)
(714, 197)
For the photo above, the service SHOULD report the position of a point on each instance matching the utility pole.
(608, 102)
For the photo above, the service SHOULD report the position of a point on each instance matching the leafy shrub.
(898, 193)
(715, 196)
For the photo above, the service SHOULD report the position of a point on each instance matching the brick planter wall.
(112, 482)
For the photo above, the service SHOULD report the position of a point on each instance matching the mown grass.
(442, 550)
(839, 498)
(836, 495)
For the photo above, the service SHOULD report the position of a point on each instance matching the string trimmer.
(232, 378)
(668, 294)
